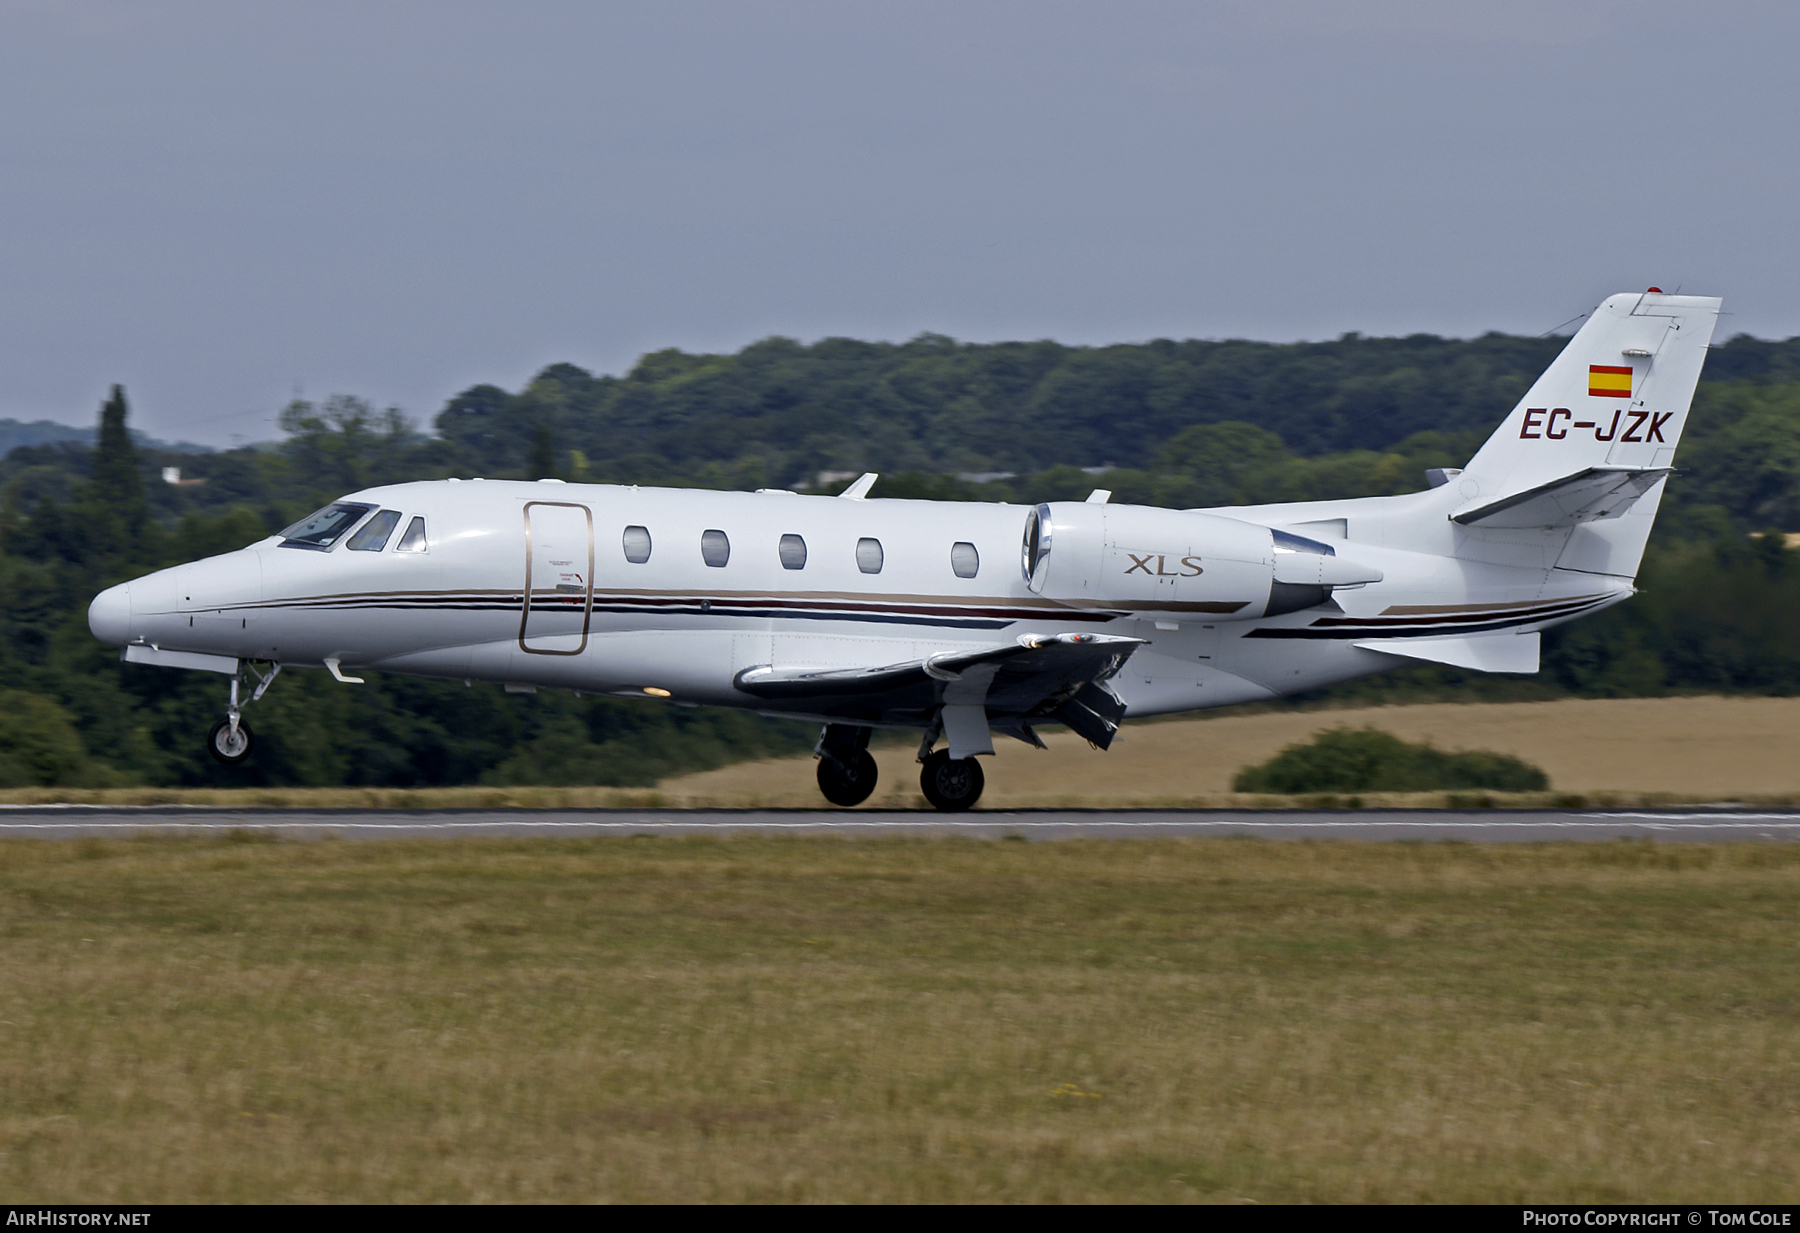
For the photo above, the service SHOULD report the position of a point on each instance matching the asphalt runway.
(1474, 826)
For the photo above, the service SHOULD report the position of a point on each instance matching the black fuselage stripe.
(635, 604)
(1404, 627)
(576, 608)
(1333, 628)
(1474, 618)
(1343, 635)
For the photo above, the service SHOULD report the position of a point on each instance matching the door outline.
(587, 610)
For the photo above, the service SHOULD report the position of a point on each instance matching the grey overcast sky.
(218, 203)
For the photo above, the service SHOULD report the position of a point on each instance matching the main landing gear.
(951, 784)
(230, 740)
(847, 772)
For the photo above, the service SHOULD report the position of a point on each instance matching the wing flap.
(1093, 712)
(1039, 677)
(1048, 657)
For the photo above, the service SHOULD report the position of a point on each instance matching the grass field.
(1624, 749)
(816, 1020)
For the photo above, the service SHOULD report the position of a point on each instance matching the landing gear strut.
(951, 784)
(847, 772)
(231, 740)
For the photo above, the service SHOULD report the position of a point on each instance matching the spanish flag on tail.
(1608, 381)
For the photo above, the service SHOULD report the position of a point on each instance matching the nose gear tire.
(220, 744)
(847, 781)
(951, 784)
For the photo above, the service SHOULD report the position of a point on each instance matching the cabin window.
(319, 531)
(1036, 546)
(374, 535)
(868, 555)
(715, 548)
(964, 559)
(793, 552)
(414, 539)
(637, 544)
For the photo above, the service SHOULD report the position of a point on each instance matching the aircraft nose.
(109, 616)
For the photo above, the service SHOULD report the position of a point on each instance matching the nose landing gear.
(231, 740)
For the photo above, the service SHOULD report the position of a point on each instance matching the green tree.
(113, 516)
(38, 743)
(345, 444)
(543, 455)
(1223, 459)
(117, 479)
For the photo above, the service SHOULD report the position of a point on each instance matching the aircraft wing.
(1596, 492)
(1053, 677)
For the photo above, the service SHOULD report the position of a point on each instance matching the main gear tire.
(230, 750)
(951, 784)
(848, 781)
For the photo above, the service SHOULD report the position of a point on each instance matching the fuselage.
(675, 593)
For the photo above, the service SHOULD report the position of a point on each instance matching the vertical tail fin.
(1588, 446)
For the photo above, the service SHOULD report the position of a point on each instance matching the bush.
(1369, 760)
(38, 743)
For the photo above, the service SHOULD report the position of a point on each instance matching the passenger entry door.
(559, 578)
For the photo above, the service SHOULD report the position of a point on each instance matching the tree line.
(1175, 423)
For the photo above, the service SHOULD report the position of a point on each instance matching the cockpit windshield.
(325, 528)
(374, 535)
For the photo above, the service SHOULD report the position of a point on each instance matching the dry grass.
(793, 789)
(1632, 751)
(353, 798)
(1621, 751)
(897, 1020)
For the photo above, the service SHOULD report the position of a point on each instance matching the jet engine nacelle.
(1171, 564)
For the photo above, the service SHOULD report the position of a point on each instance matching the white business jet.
(955, 619)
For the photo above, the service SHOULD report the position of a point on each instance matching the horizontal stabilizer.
(1489, 653)
(1595, 492)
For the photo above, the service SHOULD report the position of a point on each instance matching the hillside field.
(1719, 748)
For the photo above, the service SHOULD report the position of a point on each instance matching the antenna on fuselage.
(860, 489)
